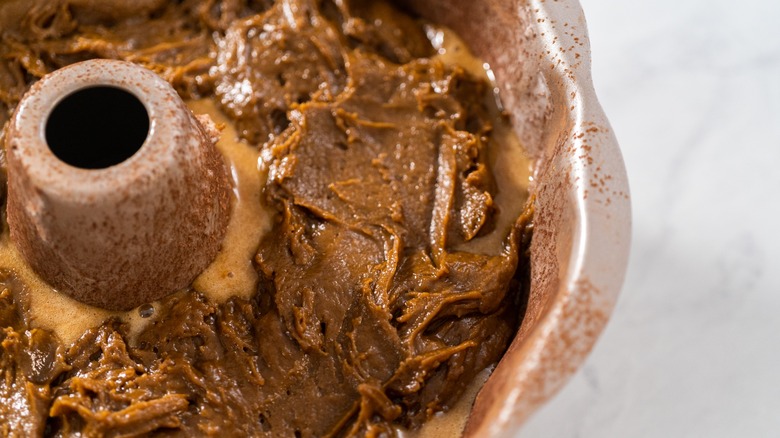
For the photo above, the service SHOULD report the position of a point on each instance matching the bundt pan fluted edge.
(540, 54)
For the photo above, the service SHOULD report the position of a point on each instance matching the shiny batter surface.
(373, 309)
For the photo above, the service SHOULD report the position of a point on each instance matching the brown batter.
(371, 310)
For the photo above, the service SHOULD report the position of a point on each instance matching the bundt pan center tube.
(117, 195)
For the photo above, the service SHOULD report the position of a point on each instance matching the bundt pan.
(540, 54)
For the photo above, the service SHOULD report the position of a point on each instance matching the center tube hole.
(97, 127)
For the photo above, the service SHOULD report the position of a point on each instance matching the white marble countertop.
(692, 88)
